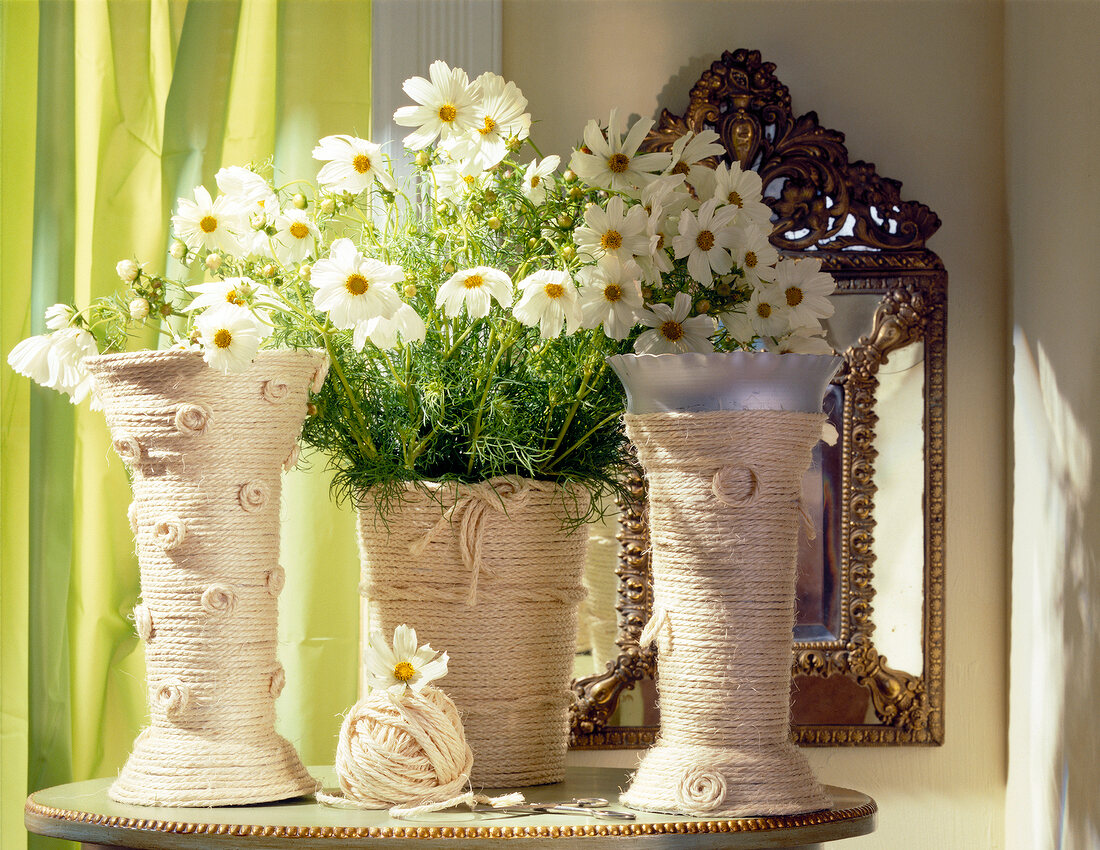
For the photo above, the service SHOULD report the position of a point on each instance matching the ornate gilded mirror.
(868, 655)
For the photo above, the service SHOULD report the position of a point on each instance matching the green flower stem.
(475, 432)
(362, 438)
(611, 417)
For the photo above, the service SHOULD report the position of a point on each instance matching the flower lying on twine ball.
(275, 390)
(405, 665)
(252, 495)
(701, 790)
(169, 533)
(193, 420)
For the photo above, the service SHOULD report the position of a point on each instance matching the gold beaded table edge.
(82, 812)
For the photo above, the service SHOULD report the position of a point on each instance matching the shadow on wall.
(1054, 745)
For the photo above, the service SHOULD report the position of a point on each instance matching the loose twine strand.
(725, 512)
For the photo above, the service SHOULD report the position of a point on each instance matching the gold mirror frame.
(872, 242)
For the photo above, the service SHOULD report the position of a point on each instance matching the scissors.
(590, 806)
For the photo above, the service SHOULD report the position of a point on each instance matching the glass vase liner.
(206, 452)
(490, 573)
(724, 492)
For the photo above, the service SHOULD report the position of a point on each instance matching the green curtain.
(111, 110)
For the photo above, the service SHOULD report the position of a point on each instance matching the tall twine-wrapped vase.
(207, 452)
(491, 572)
(724, 512)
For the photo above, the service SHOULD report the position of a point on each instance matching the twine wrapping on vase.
(724, 508)
(206, 453)
(490, 571)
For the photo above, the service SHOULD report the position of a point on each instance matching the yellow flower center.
(705, 240)
(751, 259)
(299, 230)
(672, 331)
(618, 162)
(403, 671)
(208, 224)
(736, 199)
(554, 290)
(764, 310)
(470, 179)
(490, 125)
(223, 338)
(613, 292)
(660, 241)
(356, 284)
(535, 181)
(233, 298)
(447, 113)
(681, 168)
(611, 241)
(794, 296)
(361, 163)
(474, 281)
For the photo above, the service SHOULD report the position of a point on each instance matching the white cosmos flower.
(238, 291)
(611, 231)
(753, 252)
(231, 336)
(802, 340)
(296, 236)
(406, 665)
(206, 223)
(352, 288)
(687, 153)
(744, 190)
(383, 332)
(768, 311)
(53, 361)
(248, 194)
(672, 332)
(614, 162)
(663, 200)
(610, 296)
(500, 116)
(535, 177)
(447, 106)
(472, 288)
(806, 289)
(738, 326)
(351, 164)
(549, 300)
(451, 180)
(31, 358)
(705, 239)
(58, 316)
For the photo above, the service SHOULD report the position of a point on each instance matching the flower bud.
(647, 293)
(702, 307)
(304, 271)
(300, 201)
(565, 221)
(178, 250)
(58, 316)
(410, 290)
(449, 267)
(269, 270)
(568, 252)
(494, 223)
(166, 309)
(491, 196)
(532, 242)
(127, 270)
(139, 309)
(213, 262)
(722, 289)
(328, 206)
(576, 193)
(570, 176)
(423, 159)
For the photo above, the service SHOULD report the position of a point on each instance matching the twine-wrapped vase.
(490, 573)
(724, 488)
(207, 452)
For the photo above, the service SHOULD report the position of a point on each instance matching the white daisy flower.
(352, 288)
(31, 358)
(206, 223)
(802, 340)
(705, 239)
(549, 300)
(672, 331)
(248, 194)
(472, 288)
(451, 180)
(806, 289)
(351, 164)
(610, 296)
(744, 190)
(405, 665)
(238, 291)
(383, 332)
(738, 326)
(447, 106)
(67, 348)
(611, 231)
(535, 178)
(687, 153)
(58, 316)
(663, 200)
(296, 236)
(614, 162)
(768, 311)
(753, 252)
(500, 117)
(230, 336)
(127, 270)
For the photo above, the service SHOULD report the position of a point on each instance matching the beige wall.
(918, 89)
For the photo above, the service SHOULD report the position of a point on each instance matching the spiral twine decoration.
(206, 451)
(487, 570)
(724, 514)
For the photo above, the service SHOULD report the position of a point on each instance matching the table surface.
(82, 812)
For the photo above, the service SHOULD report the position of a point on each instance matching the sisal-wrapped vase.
(491, 573)
(207, 452)
(724, 489)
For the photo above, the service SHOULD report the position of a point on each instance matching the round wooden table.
(83, 812)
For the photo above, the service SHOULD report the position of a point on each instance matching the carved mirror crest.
(871, 585)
